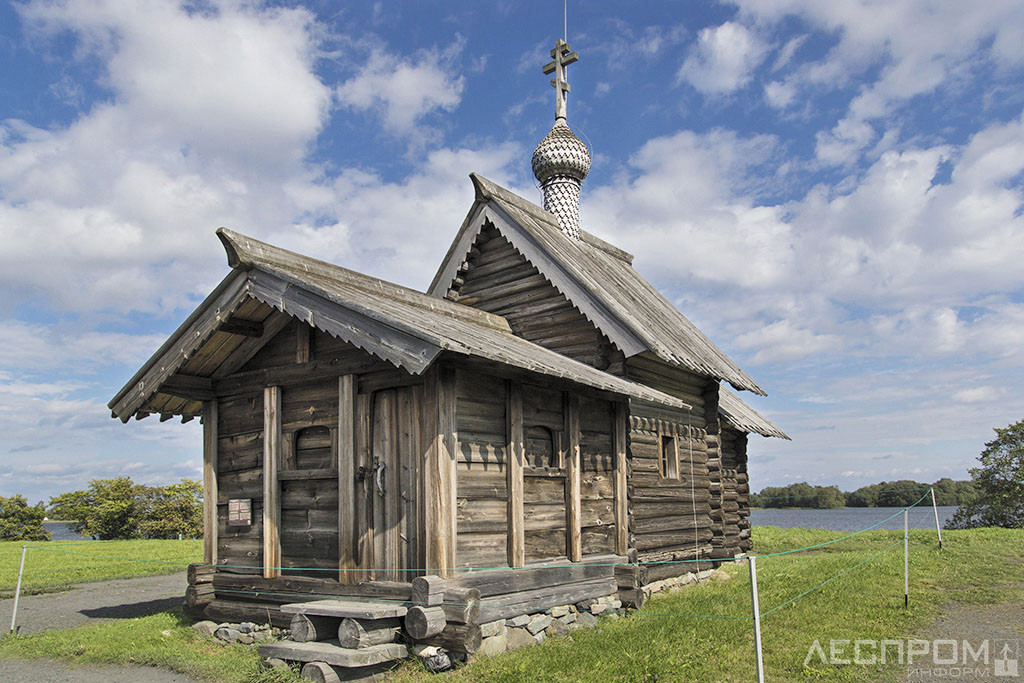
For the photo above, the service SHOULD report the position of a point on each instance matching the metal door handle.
(380, 473)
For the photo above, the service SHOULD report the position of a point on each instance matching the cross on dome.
(562, 56)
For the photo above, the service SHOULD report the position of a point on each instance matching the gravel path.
(87, 602)
(46, 671)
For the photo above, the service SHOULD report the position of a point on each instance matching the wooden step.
(352, 609)
(330, 652)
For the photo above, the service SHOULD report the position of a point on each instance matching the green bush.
(20, 521)
(998, 484)
(117, 509)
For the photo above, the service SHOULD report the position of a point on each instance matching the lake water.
(61, 531)
(849, 519)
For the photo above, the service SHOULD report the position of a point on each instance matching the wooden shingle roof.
(597, 278)
(407, 328)
(741, 416)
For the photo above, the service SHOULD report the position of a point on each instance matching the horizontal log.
(237, 611)
(461, 605)
(524, 602)
(360, 633)
(493, 582)
(200, 573)
(423, 622)
(457, 637)
(199, 595)
(294, 588)
(307, 628)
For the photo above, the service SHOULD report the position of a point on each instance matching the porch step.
(352, 609)
(331, 653)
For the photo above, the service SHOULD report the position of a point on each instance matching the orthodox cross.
(562, 57)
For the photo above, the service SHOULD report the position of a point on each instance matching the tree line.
(110, 509)
(883, 494)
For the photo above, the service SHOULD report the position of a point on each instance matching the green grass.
(163, 640)
(658, 644)
(54, 566)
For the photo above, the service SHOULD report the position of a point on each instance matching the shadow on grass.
(134, 609)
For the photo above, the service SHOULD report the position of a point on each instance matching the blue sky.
(831, 191)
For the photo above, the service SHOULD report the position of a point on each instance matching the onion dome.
(561, 162)
(561, 153)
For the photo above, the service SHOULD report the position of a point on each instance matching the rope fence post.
(906, 558)
(935, 509)
(757, 619)
(17, 590)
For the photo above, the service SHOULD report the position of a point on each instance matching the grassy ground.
(55, 565)
(698, 634)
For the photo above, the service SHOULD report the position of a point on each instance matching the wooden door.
(394, 520)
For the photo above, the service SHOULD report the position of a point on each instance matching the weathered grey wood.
(359, 633)
(188, 386)
(199, 573)
(310, 627)
(439, 469)
(621, 435)
(428, 590)
(514, 472)
(346, 608)
(347, 522)
(458, 637)
(574, 541)
(271, 487)
(242, 327)
(332, 653)
(461, 605)
(319, 672)
(210, 443)
(235, 610)
(288, 589)
(423, 622)
(303, 351)
(524, 602)
(199, 595)
(538, 576)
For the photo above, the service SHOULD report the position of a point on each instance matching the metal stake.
(906, 558)
(757, 619)
(17, 590)
(935, 509)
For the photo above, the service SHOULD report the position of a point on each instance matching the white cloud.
(723, 59)
(917, 46)
(405, 91)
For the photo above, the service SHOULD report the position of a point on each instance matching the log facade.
(365, 440)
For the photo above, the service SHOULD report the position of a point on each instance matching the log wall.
(498, 279)
(670, 513)
(736, 489)
(481, 490)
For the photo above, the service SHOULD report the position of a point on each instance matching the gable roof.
(409, 329)
(597, 277)
(741, 416)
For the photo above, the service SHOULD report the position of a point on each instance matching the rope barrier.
(833, 578)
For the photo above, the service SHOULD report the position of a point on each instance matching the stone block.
(538, 623)
(494, 645)
(518, 637)
(492, 628)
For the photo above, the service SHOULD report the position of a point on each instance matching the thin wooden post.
(757, 619)
(210, 494)
(302, 343)
(271, 487)
(574, 538)
(935, 509)
(17, 589)
(906, 558)
(347, 388)
(621, 429)
(514, 476)
(439, 469)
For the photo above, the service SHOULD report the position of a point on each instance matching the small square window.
(668, 459)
